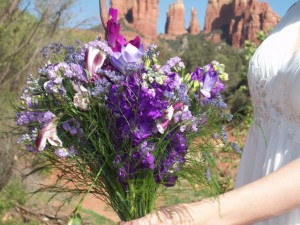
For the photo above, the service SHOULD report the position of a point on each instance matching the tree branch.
(103, 12)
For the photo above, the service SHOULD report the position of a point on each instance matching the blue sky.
(89, 9)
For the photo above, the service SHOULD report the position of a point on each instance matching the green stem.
(78, 207)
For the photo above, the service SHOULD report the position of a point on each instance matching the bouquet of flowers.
(120, 125)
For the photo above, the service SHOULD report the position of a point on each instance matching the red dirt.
(90, 202)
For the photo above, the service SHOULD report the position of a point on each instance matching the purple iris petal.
(209, 82)
(218, 87)
(136, 42)
(197, 74)
(148, 161)
(129, 55)
(132, 54)
(114, 14)
(143, 131)
(118, 62)
(121, 42)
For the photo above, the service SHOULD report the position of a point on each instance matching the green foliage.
(13, 193)
(96, 218)
(6, 139)
(23, 33)
(15, 221)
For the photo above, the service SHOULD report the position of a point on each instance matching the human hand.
(173, 215)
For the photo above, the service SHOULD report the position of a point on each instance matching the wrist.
(204, 212)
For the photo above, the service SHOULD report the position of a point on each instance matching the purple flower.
(72, 150)
(113, 28)
(208, 174)
(31, 102)
(136, 42)
(148, 161)
(224, 134)
(143, 131)
(170, 180)
(210, 81)
(114, 39)
(215, 136)
(27, 117)
(197, 74)
(171, 63)
(236, 147)
(122, 174)
(78, 72)
(62, 152)
(72, 126)
(129, 55)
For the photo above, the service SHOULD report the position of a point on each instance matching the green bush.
(7, 140)
(13, 193)
(15, 221)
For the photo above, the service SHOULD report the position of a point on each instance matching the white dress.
(274, 82)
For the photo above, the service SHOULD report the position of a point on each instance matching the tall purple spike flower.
(115, 40)
(113, 29)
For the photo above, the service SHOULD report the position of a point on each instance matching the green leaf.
(75, 220)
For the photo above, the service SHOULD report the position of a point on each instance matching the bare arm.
(268, 197)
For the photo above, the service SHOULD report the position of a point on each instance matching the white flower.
(48, 133)
(94, 60)
(81, 98)
(163, 124)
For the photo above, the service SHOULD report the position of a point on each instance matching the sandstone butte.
(194, 28)
(175, 19)
(141, 15)
(237, 20)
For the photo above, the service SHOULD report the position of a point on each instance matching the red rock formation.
(175, 19)
(141, 15)
(218, 14)
(239, 20)
(269, 17)
(123, 6)
(194, 28)
(145, 16)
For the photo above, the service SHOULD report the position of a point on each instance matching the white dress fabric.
(274, 82)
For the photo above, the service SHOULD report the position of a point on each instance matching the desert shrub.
(12, 194)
